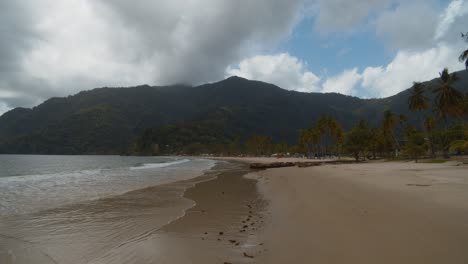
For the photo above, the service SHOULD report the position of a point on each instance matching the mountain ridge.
(108, 120)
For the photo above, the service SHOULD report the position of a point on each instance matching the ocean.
(31, 183)
(85, 209)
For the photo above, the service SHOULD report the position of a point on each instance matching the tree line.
(440, 131)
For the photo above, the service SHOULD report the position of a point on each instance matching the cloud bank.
(55, 48)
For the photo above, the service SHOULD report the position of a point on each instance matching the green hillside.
(110, 120)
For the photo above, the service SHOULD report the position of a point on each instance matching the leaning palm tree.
(464, 55)
(448, 100)
(464, 58)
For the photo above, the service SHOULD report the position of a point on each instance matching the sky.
(364, 48)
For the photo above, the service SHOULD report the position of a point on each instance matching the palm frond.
(464, 56)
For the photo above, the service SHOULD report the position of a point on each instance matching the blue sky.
(377, 53)
(334, 52)
(365, 48)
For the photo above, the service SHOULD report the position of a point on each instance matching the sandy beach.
(379, 212)
(384, 212)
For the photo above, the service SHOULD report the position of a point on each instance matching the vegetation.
(416, 145)
(395, 137)
(241, 117)
(358, 140)
(464, 55)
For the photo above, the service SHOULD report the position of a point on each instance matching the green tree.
(378, 143)
(358, 140)
(448, 103)
(448, 100)
(338, 137)
(259, 145)
(415, 146)
(417, 101)
(309, 141)
(331, 135)
(389, 122)
(429, 126)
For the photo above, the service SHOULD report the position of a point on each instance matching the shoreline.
(377, 212)
(147, 221)
(225, 222)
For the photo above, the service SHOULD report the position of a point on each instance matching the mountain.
(109, 120)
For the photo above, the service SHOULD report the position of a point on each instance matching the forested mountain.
(110, 120)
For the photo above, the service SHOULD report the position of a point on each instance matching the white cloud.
(344, 83)
(408, 67)
(284, 70)
(289, 73)
(456, 9)
(3, 108)
(402, 30)
(55, 48)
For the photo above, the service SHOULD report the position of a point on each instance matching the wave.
(158, 165)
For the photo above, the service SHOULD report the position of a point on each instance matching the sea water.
(31, 183)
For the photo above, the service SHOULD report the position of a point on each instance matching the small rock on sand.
(247, 255)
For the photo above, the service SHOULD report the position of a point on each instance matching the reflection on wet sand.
(133, 227)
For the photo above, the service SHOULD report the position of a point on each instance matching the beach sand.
(379, 212)
(384, 212)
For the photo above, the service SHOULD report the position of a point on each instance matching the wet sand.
(172, 223)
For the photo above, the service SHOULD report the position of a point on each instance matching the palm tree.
(389, 123)
(309, 138)
(331, 133)
(464, 55)
(417, 101)
(429, 125)
(464, 58)
(448, 101)
(338, 137)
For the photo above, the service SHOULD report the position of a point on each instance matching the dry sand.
(393, 212)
